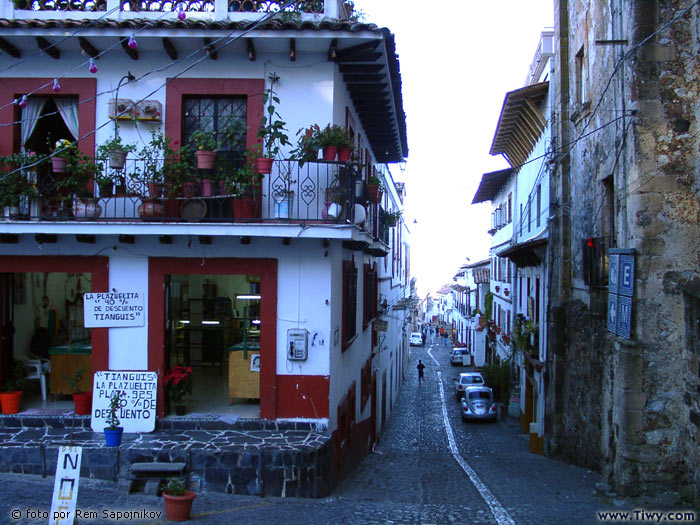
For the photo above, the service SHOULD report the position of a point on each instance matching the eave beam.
(48, 48)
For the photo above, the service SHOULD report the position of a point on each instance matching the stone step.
(154, 469)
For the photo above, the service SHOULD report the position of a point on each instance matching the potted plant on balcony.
(81, 400)
(390, 218)
(307, 145)
(244, 185)
(272, 130)
(114, 151)
(374, 190)
(113, 432)
(16, 185)
(205, 146)
(61, 152)
(178, 382)
(75, 185)
(11, 396)
(177, 500)
(344, 142)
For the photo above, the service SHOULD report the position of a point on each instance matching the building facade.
(291, 265)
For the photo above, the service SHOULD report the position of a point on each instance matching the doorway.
(213, 325)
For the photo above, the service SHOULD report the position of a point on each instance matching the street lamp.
(128, 78)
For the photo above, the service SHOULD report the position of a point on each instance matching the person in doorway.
(420, 368)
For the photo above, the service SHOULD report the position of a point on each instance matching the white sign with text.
(65, 487)
(137, 412)
(113, 309)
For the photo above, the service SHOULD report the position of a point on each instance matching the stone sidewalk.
(246, 456)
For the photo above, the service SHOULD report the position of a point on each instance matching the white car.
(457, 356)
(416, 339)
(465, 380)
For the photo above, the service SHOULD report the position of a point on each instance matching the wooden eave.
(521, 124)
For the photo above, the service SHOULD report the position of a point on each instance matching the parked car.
(478, 403)
(465, 380)
(457, 355)
(416, 339)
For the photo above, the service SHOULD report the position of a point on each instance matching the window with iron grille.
(349, 303)
(217, 114)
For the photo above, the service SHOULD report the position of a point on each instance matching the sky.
(457, 64)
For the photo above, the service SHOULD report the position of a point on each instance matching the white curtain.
(30, 116)
(68, 108)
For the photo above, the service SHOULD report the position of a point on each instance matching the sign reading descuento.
(137, 412)
(113, 309)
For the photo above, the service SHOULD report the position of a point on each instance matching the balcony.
(316, 193)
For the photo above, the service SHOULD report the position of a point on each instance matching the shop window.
(349, 303)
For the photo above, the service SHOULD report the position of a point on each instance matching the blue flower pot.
(113, 438)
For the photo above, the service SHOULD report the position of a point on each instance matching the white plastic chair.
(38, 368)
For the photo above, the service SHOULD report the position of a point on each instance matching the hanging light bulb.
(22, 102)
(93, 66)
(56, 86)
(132, 42)
(181, 15)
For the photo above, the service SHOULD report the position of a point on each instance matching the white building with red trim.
(301, 280)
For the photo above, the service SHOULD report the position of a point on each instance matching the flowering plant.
(178, 382)
(65, 148)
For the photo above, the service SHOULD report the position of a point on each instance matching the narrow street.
(429, 467)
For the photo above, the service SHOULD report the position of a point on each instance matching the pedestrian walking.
(420, 368)
(422, 336)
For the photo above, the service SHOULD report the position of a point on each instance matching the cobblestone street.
(413, 476)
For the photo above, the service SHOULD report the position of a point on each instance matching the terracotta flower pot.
(86, 208)
(178, 508)
(9, 401)
(205, 159)
(330, 153)
(344, 154)
(374, 193)
(58, 164)
(190, 189)
(150, 210)
(263, 165)
(245, 208)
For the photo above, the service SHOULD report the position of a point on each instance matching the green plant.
(64, 148)
(232, 135)
(272, 129)
(175, 487)
(203, 140)
(497, 376)
(15, 180)
(390, 218)
(307, 145)
(74, 380)
(115, 403)
(488, 305)
(161, 163)
(80, 170)
(524, 332)
(112, 145)
(16, 381)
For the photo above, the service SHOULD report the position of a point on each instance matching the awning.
(528, 253)
(491, 184)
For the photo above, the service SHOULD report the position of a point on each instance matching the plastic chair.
(38, 368)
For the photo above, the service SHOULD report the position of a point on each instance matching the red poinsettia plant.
(178, 382)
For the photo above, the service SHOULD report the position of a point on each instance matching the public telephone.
(297, 344)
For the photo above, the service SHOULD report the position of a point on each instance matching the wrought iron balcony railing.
(315, 193)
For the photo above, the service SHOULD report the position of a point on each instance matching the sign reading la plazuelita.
(113, 309)
(137, 412)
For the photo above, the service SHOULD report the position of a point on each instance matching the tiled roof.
(491, 184)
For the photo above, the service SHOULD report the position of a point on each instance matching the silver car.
(478, 403)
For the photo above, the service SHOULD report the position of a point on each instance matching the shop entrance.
(43, 329)
(213, 325)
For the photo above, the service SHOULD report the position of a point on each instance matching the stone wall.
(628, 407)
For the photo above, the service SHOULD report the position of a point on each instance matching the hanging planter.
(117, 159)
(263, 165)
(59, 164)
(205, 159)
(374, 193)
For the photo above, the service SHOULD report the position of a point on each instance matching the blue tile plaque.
(626, 279)
(624, 316)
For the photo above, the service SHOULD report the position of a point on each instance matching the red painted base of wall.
(355, 450)
(302, 396)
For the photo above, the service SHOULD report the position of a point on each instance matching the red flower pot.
(263, 165)
(245, 208)
(58, 164)
(205, 159)
(330, 153)
(344, 154)
(9, 401)
(190, 189)
(83, 403)
(374, 194)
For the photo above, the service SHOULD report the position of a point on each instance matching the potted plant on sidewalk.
(178, 382)
(177, 500)
(113, 432)
(11, 396)
(81, 400)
